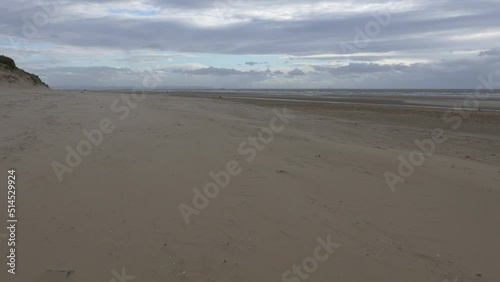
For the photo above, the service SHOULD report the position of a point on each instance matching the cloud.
(296, 72)
(254, 63)
(360, 68)
(461, 73)
(490, 52)
(218, 72)
(428, 26)
(139, 12)
(437, 37)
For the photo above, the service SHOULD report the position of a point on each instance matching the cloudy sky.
(254, 43)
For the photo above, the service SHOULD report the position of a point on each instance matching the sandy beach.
(290, 183)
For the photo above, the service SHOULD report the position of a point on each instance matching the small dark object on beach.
(67, 271)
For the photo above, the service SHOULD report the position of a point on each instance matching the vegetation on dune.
(35, 78)
(9, 63)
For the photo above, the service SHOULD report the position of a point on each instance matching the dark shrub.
(8, 61)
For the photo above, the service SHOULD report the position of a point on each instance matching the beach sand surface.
(322, 176)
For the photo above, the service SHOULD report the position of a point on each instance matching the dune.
(13, 77)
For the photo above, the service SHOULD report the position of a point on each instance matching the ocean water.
(354, 92)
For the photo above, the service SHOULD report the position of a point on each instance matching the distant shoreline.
(423, 99)
(437, 101)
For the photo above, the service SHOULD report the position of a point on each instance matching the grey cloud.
(426, 31)
(296, 72)
(462, 73)
(361, 68)
(490, 52)
(218, 72)
(320, 33)
(254, 63)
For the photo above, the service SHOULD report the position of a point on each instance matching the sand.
(18, 79)
(320, 178)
